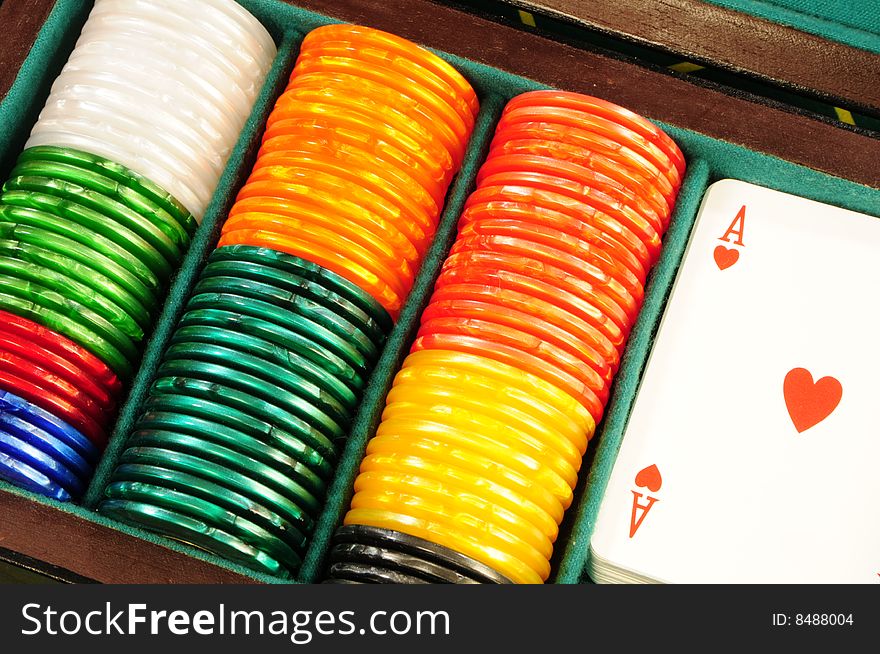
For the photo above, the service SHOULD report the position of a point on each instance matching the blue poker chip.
(37, 460)
(24, 476)
(21, 408)
(42, 439)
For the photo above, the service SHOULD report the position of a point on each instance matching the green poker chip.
(108, 188)
(82, 274)
(53, 232)
(274, 358)
(116, 172)
(213, 431)
(95, 222)
(55, 313)
(295, 303)
(220, 495)
(240, 422)
(248, 404)
(210, 513)
(192, 531)
(295, 323)
(74, 291)
(201, 467)
(311, 271)
(288, 281)
(283, 378)
(229, 459)
(232, 320)
(257, 389)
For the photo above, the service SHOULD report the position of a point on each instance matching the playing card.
(751, 451)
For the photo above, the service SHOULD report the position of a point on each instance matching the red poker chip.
(605, 109)
(63, 347)
(616, 301)
(55, 405)
(56, 365)
(549, 226)
(624, 157)
(535, 279)
(449, 304)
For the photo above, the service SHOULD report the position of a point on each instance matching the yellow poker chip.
(444, 452)
(465, 543)
(552, 498)
(506, 374)
(461, 500)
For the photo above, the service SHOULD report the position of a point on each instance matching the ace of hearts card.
(751, 453)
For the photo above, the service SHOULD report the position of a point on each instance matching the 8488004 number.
(823, 619)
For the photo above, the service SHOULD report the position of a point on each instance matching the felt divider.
(709, 160)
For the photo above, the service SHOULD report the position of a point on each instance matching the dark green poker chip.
(207, 512)
(311, 271)
(192, 531)
(212, 492)
(268, 434)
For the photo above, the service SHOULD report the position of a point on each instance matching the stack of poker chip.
(244, 423)
(99, 211)
(485, 427)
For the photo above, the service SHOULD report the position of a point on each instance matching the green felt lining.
(709, 160)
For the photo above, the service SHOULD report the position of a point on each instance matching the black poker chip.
(372, 574)
(397, 561)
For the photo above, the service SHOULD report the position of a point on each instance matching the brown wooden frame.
(107, 555)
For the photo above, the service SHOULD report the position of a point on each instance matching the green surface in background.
(709, 160)
(854, 22)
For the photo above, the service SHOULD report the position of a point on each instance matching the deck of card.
(751, 452)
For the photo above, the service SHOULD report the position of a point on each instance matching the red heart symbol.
(808, 402)
(725, 257)
(649, 478)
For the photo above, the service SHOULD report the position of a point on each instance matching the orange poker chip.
(515, 357)
(646, 191)
(552, 356)
(468, 309)
(305, 229)
(55, 384)
(55, 405)
(374, 57)
(328, 257)
(605, 109)
(410, 115)
(571, 216)
(411, 135)
(580, 120)
(350, 206)
(511, 419)
(63, 347)
(368, 38)
(608, 293)
(300, 222)
(584, 334)
(586, 195)
(56, 365)
(414, 203)
(316, 61)
(430, 479)
(534, 279)
(380, 140)
(590, 181)
(514, 219)
(623, 156)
